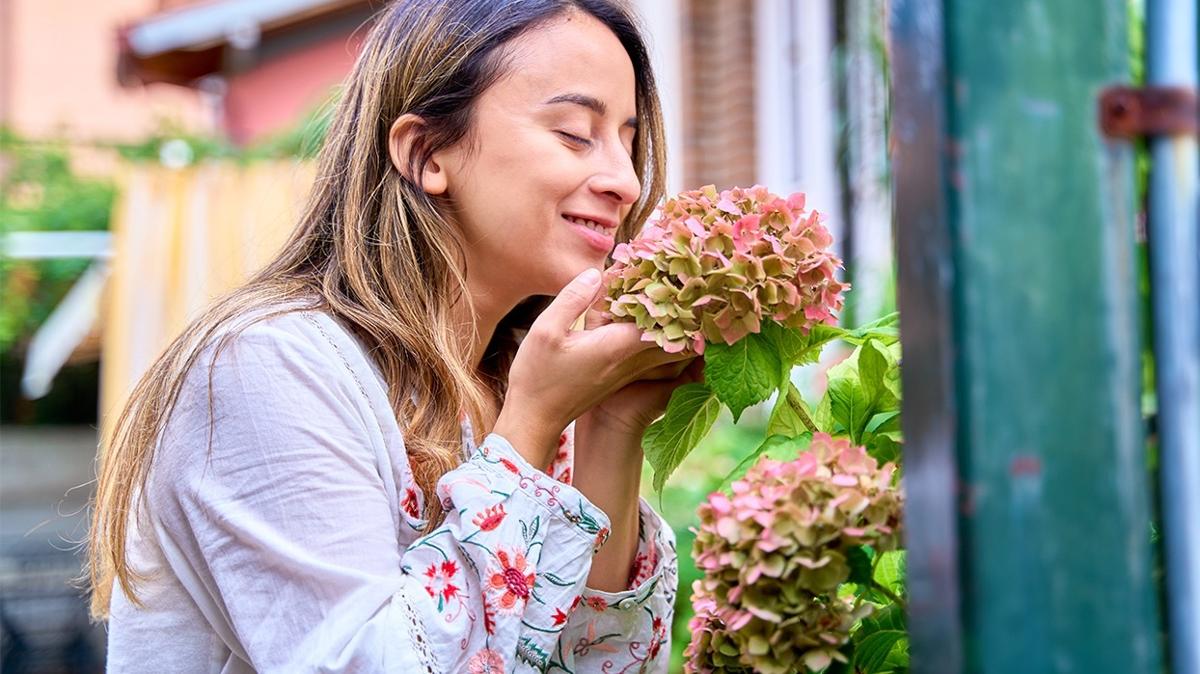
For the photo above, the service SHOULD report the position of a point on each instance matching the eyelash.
(582, 141)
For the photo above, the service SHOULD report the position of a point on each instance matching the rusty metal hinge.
(1136, 112)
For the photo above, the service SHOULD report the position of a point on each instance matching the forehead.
(573, 53)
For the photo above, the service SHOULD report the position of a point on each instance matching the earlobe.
(404, 142)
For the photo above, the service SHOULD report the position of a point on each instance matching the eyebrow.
(595, 105)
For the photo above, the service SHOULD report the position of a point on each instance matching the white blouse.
(295, 543)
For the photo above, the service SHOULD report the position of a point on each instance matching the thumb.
(571, 301)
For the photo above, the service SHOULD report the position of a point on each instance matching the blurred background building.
(156, 151)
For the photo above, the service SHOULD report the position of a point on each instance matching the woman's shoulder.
(280, 343)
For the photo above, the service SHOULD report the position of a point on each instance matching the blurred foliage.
(300, 141)
(714, 458)
(40, 193)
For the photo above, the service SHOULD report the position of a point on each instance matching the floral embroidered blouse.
(296, 544)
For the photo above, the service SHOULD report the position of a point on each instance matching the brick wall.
(719, 86)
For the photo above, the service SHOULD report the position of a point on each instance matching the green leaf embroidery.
(690, 414)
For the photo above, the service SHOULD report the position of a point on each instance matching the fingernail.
(590, 276)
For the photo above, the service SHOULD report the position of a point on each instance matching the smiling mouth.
(590, 224)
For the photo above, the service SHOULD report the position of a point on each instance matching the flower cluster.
(774, 553)
(711, 266)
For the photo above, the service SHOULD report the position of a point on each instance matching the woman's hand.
(558, 374)
(632, 409)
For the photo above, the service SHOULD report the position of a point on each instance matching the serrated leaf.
(690, 414)
(871, 654)
(744, 373)
(796, 348)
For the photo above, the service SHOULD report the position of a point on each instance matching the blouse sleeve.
(627, 631)
(284, 532)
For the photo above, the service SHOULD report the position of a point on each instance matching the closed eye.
(575, 139)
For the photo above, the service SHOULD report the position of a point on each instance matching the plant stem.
(797, 403)
(890, 595)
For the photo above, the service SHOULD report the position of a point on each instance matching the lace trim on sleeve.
(416, 634)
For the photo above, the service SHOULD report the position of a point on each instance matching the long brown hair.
(375, 251)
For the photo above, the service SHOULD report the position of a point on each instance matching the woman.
(303, 481)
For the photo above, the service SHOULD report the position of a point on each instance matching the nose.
(616, 178)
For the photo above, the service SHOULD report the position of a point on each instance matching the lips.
(598, 237)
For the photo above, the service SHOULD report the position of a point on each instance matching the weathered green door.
(1028, 522)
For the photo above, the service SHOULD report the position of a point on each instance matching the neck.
(489, 310)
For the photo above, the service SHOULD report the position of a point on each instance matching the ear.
(404, 138)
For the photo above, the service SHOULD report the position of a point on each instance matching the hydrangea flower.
(774, 553)
(710, 267)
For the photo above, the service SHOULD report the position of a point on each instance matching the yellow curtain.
(182, 237)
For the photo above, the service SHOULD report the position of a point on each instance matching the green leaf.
(823, 416)
(778, 447)
(884, 422)
(881, 640)
(885, 329)
(872, 368)
(785, 419)
(883, 448)
(690, 414)
(850, 406)
(889, 572)
(744, 373)
(871, 654)
(796, 348)
(859, 562)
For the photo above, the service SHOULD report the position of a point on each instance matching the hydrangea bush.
(800, 560)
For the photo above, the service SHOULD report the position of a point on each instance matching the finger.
(594, 318)
(668, 371)
(570, 302)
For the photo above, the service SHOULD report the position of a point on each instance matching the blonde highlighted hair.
(375, 251)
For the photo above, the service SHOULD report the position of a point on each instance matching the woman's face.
(552, 143)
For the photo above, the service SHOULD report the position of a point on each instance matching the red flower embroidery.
(513, 581)
(511, 466)
(601, 536)
(489, 617)
(597, 603)
(660, 635)
(410, 503)
(438, 582)
(486, 661)
(490, 518)
(559, 617)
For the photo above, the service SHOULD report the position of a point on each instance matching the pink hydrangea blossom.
(710, 267)
(774, 552)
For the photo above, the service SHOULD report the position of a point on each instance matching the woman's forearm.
(608, 469)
